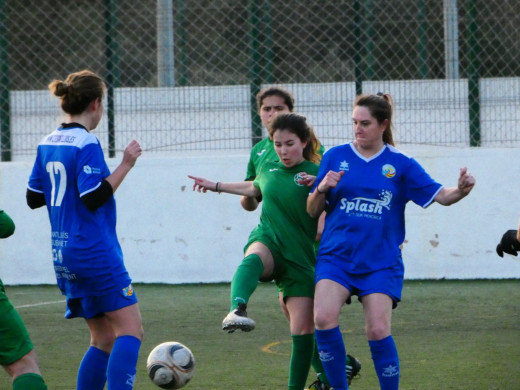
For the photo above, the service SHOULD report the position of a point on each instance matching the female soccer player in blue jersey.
(364, 187)
(70, 176)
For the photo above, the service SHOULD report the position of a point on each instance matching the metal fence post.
(165, 68)
(268, 42)
(254, 69)
(112, 68)
(473, 75)
(5, 119)
(180, 34)
(422, 49)
(369, 40)
(358, 47)
(451, 39)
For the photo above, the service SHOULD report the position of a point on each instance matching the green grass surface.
(450, 335)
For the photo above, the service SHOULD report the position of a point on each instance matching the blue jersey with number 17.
(365, 225)
(87, 256)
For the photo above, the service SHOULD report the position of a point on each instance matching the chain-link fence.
(182, 74)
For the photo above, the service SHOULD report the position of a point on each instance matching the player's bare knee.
(377, 331)
(325, 320)
(27, 364)
(103, 341)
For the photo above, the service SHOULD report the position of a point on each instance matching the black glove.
(508, 244)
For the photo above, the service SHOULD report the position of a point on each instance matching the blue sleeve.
(35, 180)
(420, 187)
(323, 169)
(91, 168)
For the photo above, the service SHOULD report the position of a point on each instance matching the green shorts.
(291, 278)
(15, 342)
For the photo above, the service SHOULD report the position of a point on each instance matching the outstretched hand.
(466, 181)
(306, 179)
(509, 244)
(330, 180)
(203, 185)
(132, 153)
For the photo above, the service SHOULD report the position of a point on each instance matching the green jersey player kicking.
(271, 101)
(281, 247)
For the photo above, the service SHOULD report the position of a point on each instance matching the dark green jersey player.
(269, 101)
(286, 228)
(17, 354)
(281, 246)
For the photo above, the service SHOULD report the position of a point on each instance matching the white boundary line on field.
(40, 304)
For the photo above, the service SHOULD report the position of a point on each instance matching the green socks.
(246, 280)
(301, 356)
(29, 382)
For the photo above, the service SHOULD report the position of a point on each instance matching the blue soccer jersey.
(365, 223)
(87, 256)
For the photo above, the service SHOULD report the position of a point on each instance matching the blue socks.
(122, 363)
(92, 373)
(386, 362)
(333, 356)
(118, 368)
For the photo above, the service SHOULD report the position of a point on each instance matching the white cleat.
(238, 319)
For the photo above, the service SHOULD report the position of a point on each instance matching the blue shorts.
(95, 306)
(388, 281)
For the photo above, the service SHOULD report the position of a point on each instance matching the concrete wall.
(174, 235)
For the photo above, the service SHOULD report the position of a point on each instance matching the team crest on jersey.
(297, 179)
(388, 171)
(343, 166)
(128, 291)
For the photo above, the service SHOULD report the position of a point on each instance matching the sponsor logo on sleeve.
(91, 170)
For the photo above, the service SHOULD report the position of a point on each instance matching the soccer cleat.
(319, 385)
(238, 319)
(352, 368)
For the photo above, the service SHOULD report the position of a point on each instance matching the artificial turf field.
(450, 335)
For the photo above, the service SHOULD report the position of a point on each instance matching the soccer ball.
(170, 365)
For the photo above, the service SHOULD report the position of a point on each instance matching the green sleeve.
(251, 170)
(6, 225)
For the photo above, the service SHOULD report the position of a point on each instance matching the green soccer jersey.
(263, 151)
(284, 217)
